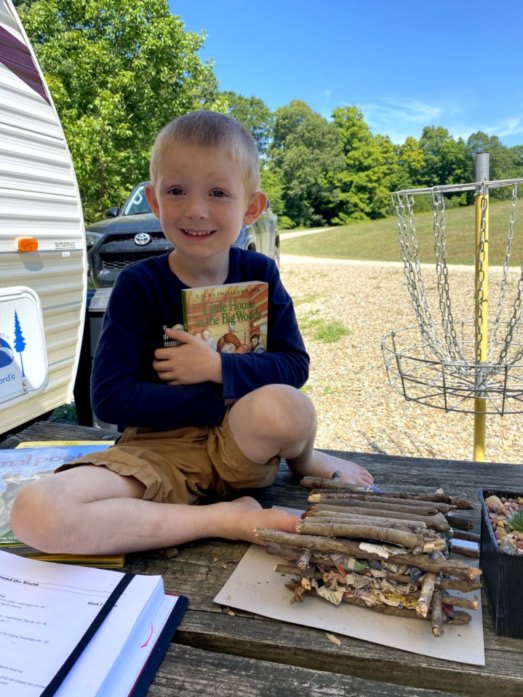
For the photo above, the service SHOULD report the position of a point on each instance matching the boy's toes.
(366, 477)
(283, 520)
(274, 519)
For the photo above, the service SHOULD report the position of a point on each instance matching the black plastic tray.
(502, 575)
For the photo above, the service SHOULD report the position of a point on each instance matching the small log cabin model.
(389, 552)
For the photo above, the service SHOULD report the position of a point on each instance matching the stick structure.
(385, 551)
(460, 501)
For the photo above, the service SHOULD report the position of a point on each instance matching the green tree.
(501, 162)
(370, 168)
(272, 185)
(118, 71)
(254, 114)
(305, 153)
(446, 161)
(411, 161)
(516, 155)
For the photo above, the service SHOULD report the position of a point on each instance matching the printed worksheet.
(45, 610)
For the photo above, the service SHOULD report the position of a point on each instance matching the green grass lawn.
(378, 240)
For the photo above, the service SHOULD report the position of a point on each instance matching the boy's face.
(201, 201)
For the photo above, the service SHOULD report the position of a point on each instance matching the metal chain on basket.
(404, 209)
(504, 277)
(513, 324)
(481, 276)
(515, 319)
(482, 371)
(437, 369)
(442, 272)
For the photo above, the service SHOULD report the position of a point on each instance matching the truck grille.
(117, 263)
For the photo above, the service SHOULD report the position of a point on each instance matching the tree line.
(118, 70)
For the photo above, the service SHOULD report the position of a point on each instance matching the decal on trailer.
(23, 354)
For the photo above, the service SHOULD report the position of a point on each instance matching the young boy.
(194, 422)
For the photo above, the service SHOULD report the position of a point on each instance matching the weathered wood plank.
(51, 430)
(280, 642)
(413, 474)
(409, 473)
(191, 671)
(200, 570)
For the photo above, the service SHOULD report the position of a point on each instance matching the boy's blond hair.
(209, 129)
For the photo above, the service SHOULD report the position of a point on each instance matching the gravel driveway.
(357, 408)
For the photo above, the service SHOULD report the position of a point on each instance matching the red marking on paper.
(148, 638)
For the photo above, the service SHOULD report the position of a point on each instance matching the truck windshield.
(137, 203)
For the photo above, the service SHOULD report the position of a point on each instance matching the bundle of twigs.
(386, 551)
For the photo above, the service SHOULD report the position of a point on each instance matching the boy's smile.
(201, 201)
(198, 233)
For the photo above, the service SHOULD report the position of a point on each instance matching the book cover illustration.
(231, 318)
(23, 464)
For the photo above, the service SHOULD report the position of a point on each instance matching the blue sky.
(405, 64)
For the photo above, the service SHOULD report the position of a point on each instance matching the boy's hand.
(191, 362)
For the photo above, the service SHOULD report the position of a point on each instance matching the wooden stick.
(436, 521)
(310, 573)
(323, 511)
(297, 571)
(435, 506)
(348, 501)
(304, 560)
(435, 545)
(460, 501)
(315, 482)
(339, 517)
(458, 601)
(378, 607)
(455, 584)
(464, 551)
(427, 591)
(370, 532)
(352, 550)
(463, 585)
(459, 617)
(458, 521)
(465, 535)
(399, 578)
(436, 615)
(432, 519)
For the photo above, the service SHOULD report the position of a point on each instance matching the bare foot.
(352, 473)
(324, 465)
(242, 516)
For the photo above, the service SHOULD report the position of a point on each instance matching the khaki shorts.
(185, 464)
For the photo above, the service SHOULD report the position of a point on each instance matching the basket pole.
(481, 300)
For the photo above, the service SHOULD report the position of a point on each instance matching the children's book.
(231, 318)
(69, 630)
(23, 464)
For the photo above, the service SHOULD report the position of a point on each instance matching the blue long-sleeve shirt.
(147, 297)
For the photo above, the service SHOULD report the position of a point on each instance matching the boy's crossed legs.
(92, 510)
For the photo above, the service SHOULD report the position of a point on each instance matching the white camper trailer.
(43, 267)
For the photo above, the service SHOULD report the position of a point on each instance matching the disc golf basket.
(458, 356)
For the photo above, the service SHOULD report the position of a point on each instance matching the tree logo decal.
(7, 351)
(20, 343)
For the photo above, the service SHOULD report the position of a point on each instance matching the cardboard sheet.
(255, 587)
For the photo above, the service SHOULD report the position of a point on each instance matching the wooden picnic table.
(221, 652)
